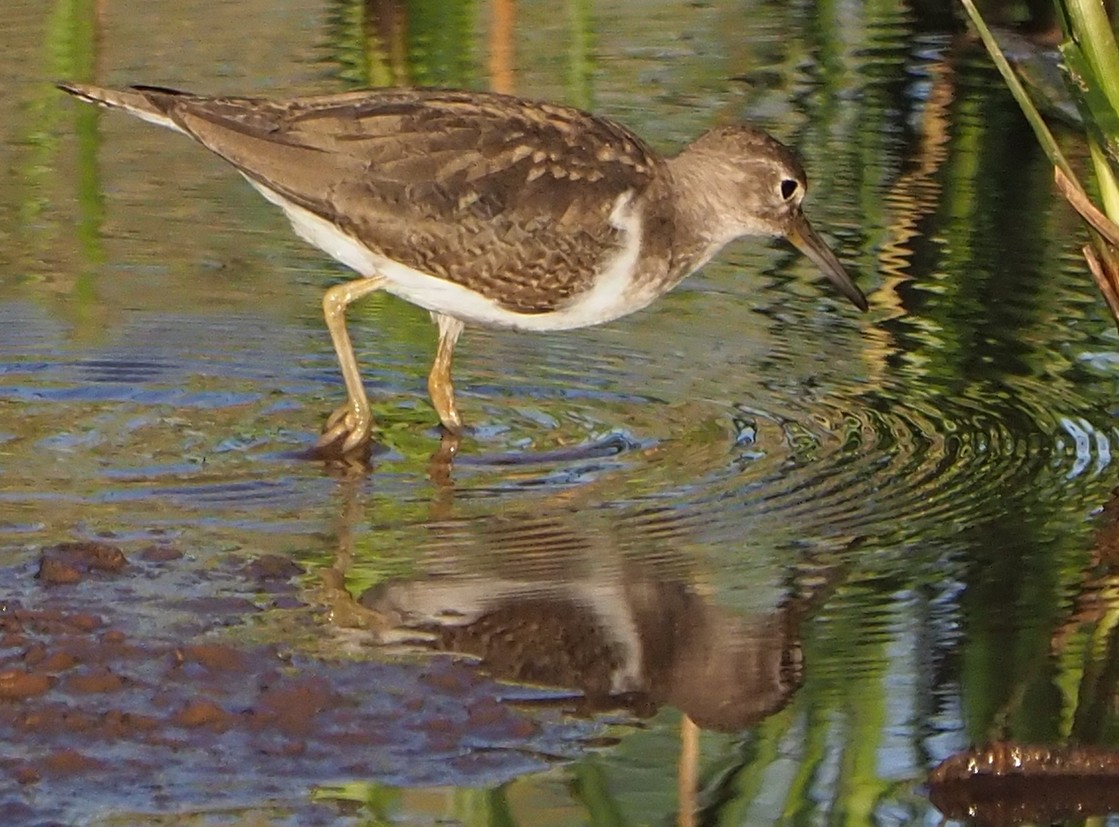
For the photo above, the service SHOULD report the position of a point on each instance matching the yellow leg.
(439, 380)
(353, 421)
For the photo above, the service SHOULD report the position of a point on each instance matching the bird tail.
(141, 101)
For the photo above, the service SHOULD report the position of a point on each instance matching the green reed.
(1091, 63)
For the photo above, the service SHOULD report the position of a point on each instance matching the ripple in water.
(895, 471)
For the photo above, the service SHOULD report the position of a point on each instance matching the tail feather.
(134, 101)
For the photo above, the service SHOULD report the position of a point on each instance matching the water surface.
(877, 539)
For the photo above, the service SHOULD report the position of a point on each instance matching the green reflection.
(71, 39)
(405, 42)
(975, 337)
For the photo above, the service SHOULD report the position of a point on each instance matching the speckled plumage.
(490, 209)
(508, 198)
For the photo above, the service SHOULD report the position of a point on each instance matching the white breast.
(612, 295)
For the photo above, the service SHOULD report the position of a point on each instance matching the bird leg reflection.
(439, 469)
(687, 774)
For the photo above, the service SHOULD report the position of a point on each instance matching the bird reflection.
(614, 610)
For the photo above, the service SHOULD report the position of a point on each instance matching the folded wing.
(509, 199)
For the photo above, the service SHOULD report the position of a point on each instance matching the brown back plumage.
(509, 198)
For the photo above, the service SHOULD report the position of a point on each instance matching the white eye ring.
(789, 188)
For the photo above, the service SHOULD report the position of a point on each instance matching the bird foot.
(347, 431)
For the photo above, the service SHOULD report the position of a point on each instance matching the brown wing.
(507, 197)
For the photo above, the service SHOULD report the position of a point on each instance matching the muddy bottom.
(118, 701)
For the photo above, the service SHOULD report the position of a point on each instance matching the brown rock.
(160, 554)
(95, 681)
(16, 684)
(68, 563)
(203, 713)
(214, 656)
(271, 567)
(69, 762)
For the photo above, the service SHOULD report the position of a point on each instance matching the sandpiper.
(488, 209)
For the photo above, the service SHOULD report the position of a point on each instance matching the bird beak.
(805, 239)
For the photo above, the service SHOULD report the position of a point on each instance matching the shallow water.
(847, 545)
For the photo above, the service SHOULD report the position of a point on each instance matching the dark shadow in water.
(1009, 783)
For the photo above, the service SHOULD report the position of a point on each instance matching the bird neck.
(701, 220)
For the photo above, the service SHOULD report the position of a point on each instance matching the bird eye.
(789, 188)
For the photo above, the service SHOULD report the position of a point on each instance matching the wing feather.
(508, 198)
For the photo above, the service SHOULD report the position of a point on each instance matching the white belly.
(611, 296)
